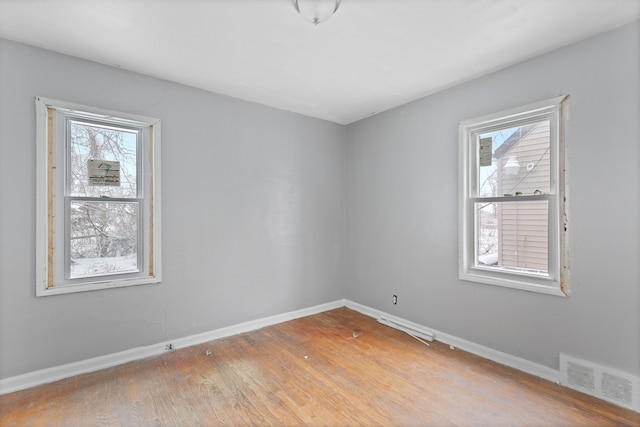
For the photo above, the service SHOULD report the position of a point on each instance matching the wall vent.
(617, 388)
(600, 381)
(581, 376)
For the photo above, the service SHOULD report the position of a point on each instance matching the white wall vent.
(581, 376)
(617, 388)
(600, 381)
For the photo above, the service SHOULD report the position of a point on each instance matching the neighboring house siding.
(523, 226)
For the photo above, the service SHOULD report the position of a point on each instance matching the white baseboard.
(477, 349)
(45, 376)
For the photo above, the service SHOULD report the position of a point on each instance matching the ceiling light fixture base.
(317, 11)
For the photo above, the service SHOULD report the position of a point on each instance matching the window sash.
(139, 241)
(526, 242)
(474, 132)
(139, 131)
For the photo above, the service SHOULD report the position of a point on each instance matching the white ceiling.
(372, 55)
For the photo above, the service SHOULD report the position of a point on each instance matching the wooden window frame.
(52, 218)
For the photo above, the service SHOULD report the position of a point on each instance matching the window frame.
(556, 282)
(53, 214)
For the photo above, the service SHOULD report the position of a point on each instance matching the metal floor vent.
(600, 381)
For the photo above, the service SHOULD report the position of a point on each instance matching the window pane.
(93, 149)
(514, 160)
(513, 235)
(104, 238)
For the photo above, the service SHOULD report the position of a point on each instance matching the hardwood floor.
(336, 368)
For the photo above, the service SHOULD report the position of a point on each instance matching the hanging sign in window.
(104, 173)
(485, 151)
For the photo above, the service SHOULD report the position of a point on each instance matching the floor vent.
(600, 381)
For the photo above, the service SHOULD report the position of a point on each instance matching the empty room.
(320, 212)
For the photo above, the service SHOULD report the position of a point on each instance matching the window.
(98, 222)
(512, 201)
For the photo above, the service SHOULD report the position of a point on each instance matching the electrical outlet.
(394, 299)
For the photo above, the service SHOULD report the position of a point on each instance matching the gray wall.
(253, 214)
(402, 192)
(254, 204)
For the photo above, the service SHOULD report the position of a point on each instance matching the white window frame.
(52, 219)
(556, 282)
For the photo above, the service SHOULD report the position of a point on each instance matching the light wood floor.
(310, 371)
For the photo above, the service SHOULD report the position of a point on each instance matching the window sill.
(538, 285)
(96, 286)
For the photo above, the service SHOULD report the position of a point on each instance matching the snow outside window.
(98, 198)
(512, 199)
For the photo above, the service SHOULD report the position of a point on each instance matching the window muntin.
(512, 198)
(98, 198)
